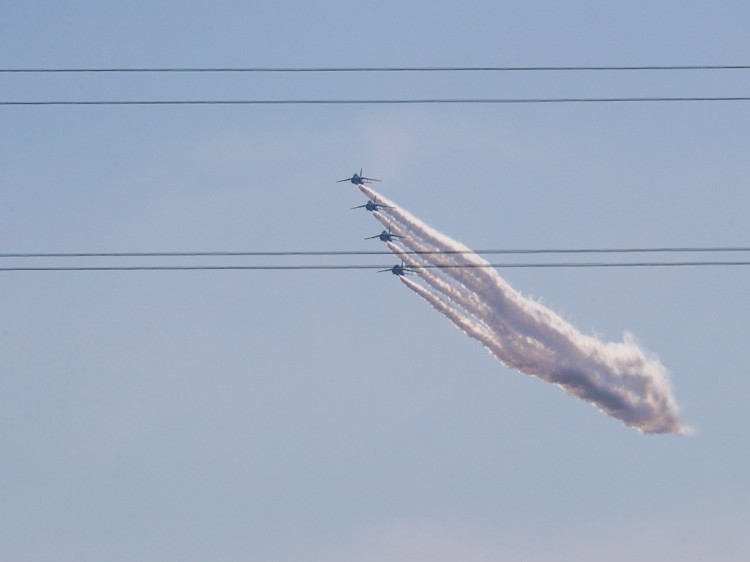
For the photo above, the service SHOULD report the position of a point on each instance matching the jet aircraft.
(358, 179)
(397, 270)
(372, 206)
(385, 236)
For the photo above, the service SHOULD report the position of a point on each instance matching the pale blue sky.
(333, 416)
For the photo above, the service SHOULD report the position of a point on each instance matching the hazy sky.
(281, 416)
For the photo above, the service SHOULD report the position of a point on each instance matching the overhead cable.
(365, 69)
(384, 101)
(689, 249)
(371, 267)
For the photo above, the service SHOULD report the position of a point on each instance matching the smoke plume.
(619, 379)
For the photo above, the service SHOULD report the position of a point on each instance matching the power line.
(374, 69)
(416, 101)
(371, 267)
(704, 249)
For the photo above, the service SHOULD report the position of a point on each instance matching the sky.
(333, 415)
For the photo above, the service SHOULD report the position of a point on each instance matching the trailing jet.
(385, 236)
(397, 270)
(358, 179)
(372, 206)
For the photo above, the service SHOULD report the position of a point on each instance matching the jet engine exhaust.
(619, 379)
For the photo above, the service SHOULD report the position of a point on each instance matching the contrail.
(619, 379)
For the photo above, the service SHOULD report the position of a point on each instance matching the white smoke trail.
(462, 321)
(617, 378)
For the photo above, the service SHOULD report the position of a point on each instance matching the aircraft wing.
(371, 237)
(370, 179)
(345, 179)
(358, 206)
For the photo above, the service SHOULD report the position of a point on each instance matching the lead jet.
(385, 236)
(372, 206)
(358, 179)
(399, 270)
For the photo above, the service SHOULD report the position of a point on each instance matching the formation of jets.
(372, 206)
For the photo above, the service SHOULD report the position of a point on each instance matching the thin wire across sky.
(516, 251)
(118, 256)
(381, 267)
(376, 69)
(375, 101)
